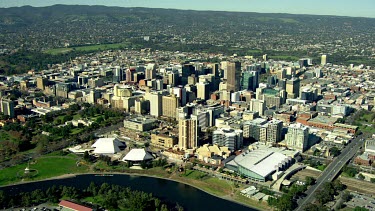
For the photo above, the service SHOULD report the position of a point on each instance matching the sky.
(355, 8)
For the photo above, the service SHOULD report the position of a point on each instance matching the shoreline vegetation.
(204, 186)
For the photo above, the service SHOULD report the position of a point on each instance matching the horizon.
(345, 8)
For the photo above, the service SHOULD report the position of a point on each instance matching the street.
(331, 171)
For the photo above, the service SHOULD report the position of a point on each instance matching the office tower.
(173, 78)
(274, 129)
(118, 75)
(130, 75)
(271, 97)
(41, 83)
(191, 80)
(203, 90)
(94, 95)
(188, 133)
(251, 129)
(297, 137)
(180, 93)
(150, 71)
(258, 106)
(62, 90)
(265, 57)
(292, 87)
(170, 104)
(303, 62)
(155, 99)
(318, 73)
(233, 139)
(323, 59)
(282, 84)
(215, 69)
(250, 80)
(187, 70)
(233, 74)
(7, 107)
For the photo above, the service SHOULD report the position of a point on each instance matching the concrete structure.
(297, 137)
(233, 75)
(210, 153)
(370, 146)
(108, 146)
(292, 87)
(251, 129)
(188, 133)
(203, 89)
(164, 140)
(7, 107)
(260, 164)
(136, 156)
(140, 124)
(274, 128)
(323, 60)
(258, 106)
(156, 103)
(170, 105)
(233, 139)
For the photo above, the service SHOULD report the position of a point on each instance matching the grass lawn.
(47, 166)
(76, 131)
(321, 167)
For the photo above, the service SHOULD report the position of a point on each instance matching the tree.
(346, 196)
(360, 209)
(86, 156)
(372, 180)
(334, 151)
(309, 180)
(361, 177)
(315, 207)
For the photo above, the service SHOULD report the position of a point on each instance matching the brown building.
(163, 140)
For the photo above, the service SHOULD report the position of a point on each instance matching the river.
(187, 196)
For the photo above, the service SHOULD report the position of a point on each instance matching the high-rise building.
(187, 70)
(250, 80)
(155, 99)
(323, 59)
(274, 129)
(118, 74)
(130, 75)
(233, 139)
(233, 74)
(62, 89)
(94, 95)
(297, 137)
(251, 129)
(203, 89)
(258, 106)
(292, 87)
(170, 105)
(41, 83)
(150, 71)
(7, 107)
(188, 133)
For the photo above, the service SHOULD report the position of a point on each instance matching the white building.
(297, 137)
(233, 139)
(108, 146)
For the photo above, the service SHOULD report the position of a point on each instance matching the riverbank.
(219, 188)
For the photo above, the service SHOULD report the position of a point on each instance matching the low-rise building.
(164, 140)
(140, 124)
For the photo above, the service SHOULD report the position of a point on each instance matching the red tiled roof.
(74, 206)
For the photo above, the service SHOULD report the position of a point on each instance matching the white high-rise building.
(258, 106)
(233, 139)
(297, 137)
(203, 89)
(323, 60)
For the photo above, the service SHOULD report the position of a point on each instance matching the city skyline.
(362, 8)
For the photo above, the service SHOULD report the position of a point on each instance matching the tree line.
(105, 196)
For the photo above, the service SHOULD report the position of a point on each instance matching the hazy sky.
(358, 8)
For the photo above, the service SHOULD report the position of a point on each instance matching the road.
(331, 171)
